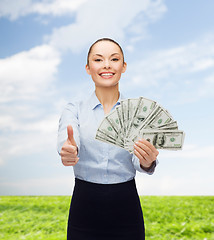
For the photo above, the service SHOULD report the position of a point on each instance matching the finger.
(143, 154)
(151, 154)
(144, 147)
(71, 135)
(142, 160)
(148, 144)
(149, 158)
(138, 155)
(69, 149)
(70, 162)
(68, 158)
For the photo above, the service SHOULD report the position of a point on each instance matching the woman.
(105, 203)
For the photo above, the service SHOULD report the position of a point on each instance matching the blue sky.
(169, 49)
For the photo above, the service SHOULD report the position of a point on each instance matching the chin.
(106, 84)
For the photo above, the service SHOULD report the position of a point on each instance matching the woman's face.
(106, 64)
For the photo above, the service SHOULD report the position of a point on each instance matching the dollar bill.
(140, 118)
(120, 118)
(169, 126)
(107, 129)
(132, 106)
(107, 139)
(167, 139)
(161, 139)
(143, 109)
(162, 117)
(114, 120)
(124, 114)
(141, 123)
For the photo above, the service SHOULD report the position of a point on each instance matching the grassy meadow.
(166, 217)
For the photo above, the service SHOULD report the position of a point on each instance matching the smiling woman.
(105, 203)
(105, 65)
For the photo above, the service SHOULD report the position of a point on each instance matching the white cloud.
(174, 185)
(206, 89)
(190, 152)
(14, 9)
(61, 185)
(1, 161)
(176, 68)
(26, 74)
(185, 172)
(28, 121)
(25, 138)
(57, 7)
(185, 59)
(106, 18)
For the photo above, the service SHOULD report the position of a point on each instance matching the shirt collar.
(94, 102)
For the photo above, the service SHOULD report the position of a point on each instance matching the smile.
(107, 74)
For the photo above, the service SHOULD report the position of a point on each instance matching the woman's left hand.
(145, 152)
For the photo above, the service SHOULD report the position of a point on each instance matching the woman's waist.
(104, 176)
(104, 188)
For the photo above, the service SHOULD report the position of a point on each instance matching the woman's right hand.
(69, 149)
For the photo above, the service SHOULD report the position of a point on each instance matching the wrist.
(147, 169)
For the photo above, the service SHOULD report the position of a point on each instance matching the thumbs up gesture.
(69, 149)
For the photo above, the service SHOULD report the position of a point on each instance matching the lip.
(106, 74)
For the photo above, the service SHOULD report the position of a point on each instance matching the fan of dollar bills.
(140, 118)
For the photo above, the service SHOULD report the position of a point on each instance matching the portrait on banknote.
(159, 140)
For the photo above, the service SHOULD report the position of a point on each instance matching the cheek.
(95, 67)
(118, 69)
(122, 69)
(92, 70)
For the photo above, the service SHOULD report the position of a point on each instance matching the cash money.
(161, 139)
(108, 131)
(142, 110)
(107, 139)
(164, 139)
(140, 118)
(169, 126)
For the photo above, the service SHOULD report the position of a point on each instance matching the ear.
(87, 69)
(124, 67)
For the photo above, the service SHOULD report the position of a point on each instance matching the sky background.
(169, 49)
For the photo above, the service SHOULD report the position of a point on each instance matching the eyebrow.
(100, 55)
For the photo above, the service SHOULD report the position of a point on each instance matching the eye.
(115, 59)
(97, 60)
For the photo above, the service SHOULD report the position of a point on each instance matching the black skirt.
(105, 212)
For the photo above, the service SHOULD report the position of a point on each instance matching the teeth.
(106, 74)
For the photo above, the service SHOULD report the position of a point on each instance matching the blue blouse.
(99, 162)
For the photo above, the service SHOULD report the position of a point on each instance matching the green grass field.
(44, 217)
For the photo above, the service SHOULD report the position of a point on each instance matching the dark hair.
(100, 40)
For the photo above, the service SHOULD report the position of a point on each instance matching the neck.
(107, 97)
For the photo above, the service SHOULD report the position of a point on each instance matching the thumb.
(71, 135)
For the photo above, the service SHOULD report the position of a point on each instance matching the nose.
(107, 64)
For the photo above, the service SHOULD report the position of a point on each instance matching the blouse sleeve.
(69, 117)
(137, 166)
